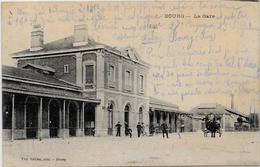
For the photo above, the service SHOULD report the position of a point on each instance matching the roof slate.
(214, 108)
(161, 102)
(28, 74)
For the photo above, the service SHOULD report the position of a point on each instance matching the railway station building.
(76, 86)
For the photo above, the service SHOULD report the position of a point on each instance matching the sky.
(199, 52)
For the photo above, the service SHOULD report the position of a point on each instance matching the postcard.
(121, 83)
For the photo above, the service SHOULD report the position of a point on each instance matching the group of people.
(140, 129)
(163, 127)
(128, 131)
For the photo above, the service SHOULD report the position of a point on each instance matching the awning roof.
(159, 105)
(26, 81)
(43, 94)
(214, 108)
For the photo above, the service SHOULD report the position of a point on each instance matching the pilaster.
(100, 119)
(79, 70)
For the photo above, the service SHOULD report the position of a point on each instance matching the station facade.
(76, 86)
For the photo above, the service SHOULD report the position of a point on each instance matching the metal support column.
(83, 118)
(64, 117)
(40, 120)
(13, 120)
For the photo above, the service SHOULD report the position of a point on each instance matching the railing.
(89, 86)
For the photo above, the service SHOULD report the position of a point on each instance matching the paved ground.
(191, 149)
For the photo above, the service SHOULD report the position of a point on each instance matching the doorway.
(110, 110)
(54, 109)
(126, 118)
(73, 110)
(31, 118)
(89, 118)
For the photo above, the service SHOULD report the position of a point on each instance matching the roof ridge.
(65, 44)
(43, 67)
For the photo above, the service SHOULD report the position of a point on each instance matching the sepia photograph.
(129, 83)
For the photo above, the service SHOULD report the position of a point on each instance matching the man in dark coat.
(139, 129)
(129, 132)
(165, 129)
(118, 129)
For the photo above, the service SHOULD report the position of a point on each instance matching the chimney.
(80, 35)
(36, 38)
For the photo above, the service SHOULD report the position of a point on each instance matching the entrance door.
(72, 119)
(126, 118)
(89, 118)
(54, 109)
(110, 119)
(31, 118)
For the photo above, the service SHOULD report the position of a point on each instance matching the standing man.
(139, 129)
(118, 129)
(129, 132)
(165, 129)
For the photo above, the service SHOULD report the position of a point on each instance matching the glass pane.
(111, 72)
(128, 78)
(89, 74)
(141, 82)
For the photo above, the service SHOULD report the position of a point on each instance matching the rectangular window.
(128, 77)
(141, 83)
(89, 74)
(128, 80)
(66, 68)
(112, 73)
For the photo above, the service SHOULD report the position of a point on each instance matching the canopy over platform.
(29, 82)
(156, 104)
(214, 108)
